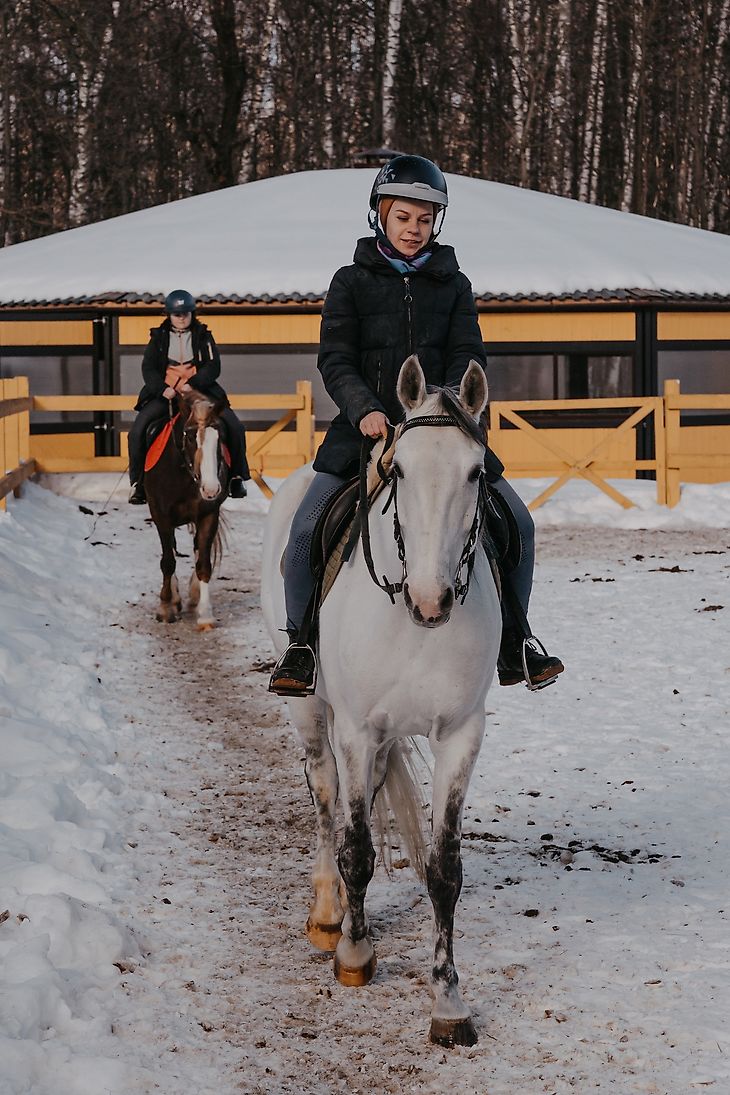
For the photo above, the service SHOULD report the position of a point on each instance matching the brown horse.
(186, 486)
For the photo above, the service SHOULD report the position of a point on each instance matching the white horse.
(420, 664)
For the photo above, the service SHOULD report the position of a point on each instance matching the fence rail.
(265, 452)
(595, 453)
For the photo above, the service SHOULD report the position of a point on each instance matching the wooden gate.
(592, 453)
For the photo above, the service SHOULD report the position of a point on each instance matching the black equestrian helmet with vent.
(179, 302)
(412, 177)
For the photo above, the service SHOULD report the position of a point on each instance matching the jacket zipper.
(409, 300)
(377, 384)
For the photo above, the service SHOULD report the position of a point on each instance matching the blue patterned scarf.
(403, 266)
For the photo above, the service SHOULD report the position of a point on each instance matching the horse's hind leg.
(326, 911)
(170, 603)
(454, 760)
(355, 956)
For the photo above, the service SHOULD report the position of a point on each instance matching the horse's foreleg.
(355, 956)
(454, 760)
(170, 603)
(326, 911)
(205, 534)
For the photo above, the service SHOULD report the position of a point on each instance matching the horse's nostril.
(447, 601)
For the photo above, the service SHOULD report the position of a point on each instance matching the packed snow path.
(592, 931)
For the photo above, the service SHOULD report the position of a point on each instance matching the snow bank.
(61, 818)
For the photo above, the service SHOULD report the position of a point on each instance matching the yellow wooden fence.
(275, 450)
(696, 454)
(16, 464)
(596, 454)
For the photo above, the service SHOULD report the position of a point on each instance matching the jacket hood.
(442, 264)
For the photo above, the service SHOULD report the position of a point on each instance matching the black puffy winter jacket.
(205, 356)
(373, 318)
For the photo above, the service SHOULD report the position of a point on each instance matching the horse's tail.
(401, 794)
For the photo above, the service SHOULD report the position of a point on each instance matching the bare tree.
(113, 105)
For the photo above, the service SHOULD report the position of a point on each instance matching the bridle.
(388, 477)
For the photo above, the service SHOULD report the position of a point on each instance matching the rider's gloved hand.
(169, 393)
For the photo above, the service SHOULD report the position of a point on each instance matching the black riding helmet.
(412, 177)
(179, 302)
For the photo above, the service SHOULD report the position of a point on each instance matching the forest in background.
(108, 106)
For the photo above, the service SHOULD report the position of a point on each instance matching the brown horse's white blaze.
(206, 462)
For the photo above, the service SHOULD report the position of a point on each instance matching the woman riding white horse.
(404, 294)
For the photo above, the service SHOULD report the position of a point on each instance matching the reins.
(388, 477)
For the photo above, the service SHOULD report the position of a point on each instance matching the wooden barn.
(576, 303)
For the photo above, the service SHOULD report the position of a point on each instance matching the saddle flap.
(333, 524)
(501, 529)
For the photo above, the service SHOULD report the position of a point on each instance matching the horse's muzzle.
(210, 493)
(428, 613)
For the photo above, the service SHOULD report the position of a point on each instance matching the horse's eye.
(475, 473)
(397, 470)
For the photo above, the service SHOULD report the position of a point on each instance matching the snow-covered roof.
(281, 239)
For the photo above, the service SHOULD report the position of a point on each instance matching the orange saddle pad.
(157, 447)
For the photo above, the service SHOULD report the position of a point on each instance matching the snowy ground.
(155, 829)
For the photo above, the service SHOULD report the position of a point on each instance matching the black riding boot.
(137, 495)
(236, 487)
(526, 660)
(295, 673)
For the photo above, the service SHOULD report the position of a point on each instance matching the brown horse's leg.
(170, 603)
(206, 530)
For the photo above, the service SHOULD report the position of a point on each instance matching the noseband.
(468, 553)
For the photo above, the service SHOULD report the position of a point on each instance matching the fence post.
(660, 452)
(23, 427)
(671, 434)
(305, 422)
(12, 429)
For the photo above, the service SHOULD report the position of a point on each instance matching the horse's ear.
(411, 387)
(473, 391)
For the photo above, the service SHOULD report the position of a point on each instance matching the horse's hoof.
(355, 978)
(205, 626)
(324, 937)
(453, 1032)
(166, 618)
